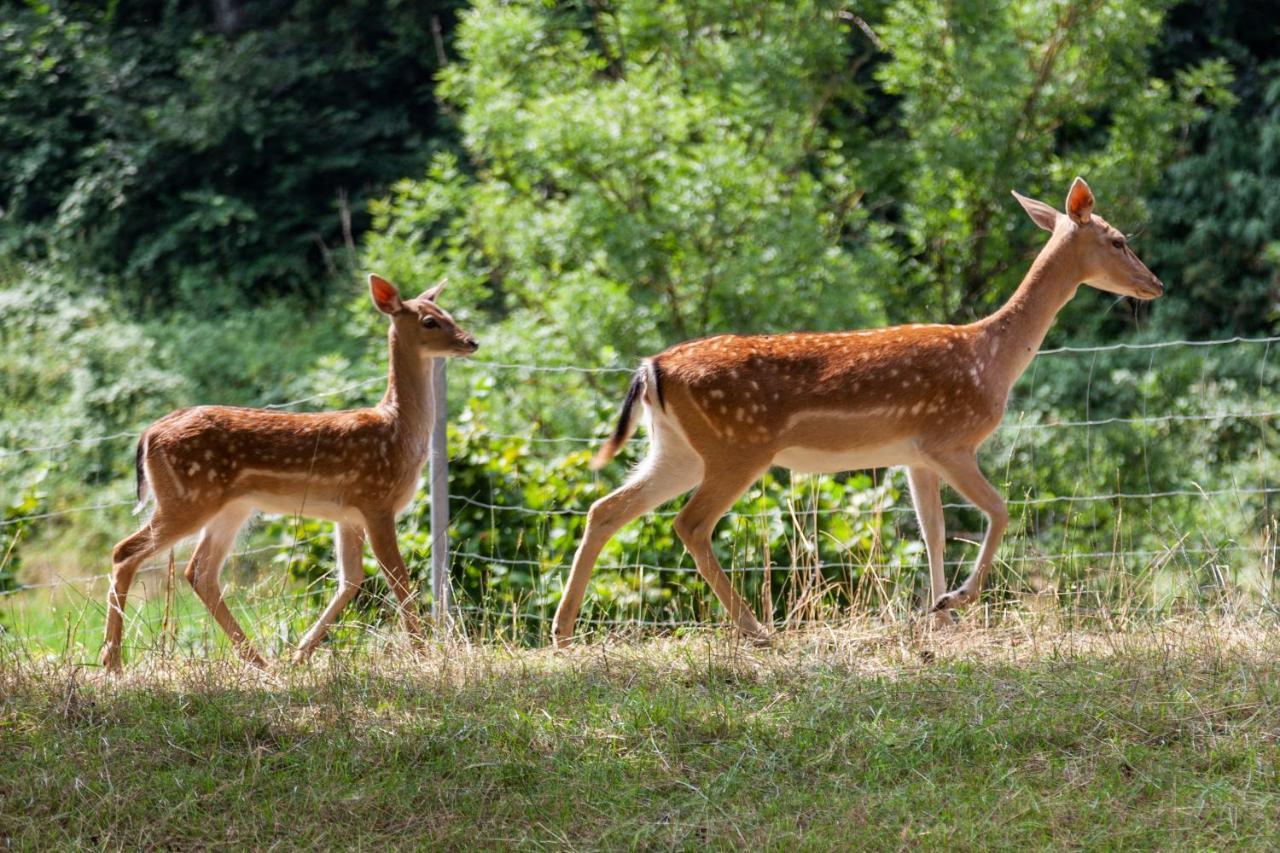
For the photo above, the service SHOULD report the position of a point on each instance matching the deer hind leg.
(204, 573)
(962, 472)
(720, 487)
(160, 531)
(350, 576)
(382, 538)
(665, 474)
(926, 495)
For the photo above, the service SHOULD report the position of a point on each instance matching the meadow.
(1021, 733)
(193, 195)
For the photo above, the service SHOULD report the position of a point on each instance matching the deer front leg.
(382, 538)
(962, 472)
(926, 495)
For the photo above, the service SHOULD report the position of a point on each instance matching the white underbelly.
(310, 507)
(811, 460)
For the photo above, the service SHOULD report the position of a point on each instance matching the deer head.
(420, 322)
(1101, 252)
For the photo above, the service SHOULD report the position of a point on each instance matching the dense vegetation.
(188, 192)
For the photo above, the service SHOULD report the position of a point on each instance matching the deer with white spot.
(209, 468)
(724, 409)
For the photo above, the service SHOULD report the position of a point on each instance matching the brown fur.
(745, 389)
(210, 467)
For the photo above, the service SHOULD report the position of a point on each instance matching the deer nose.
(1158, 286)
(473, 343)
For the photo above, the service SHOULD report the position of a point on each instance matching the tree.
(648, 170)
(1215, 216)
(1021, 95)
(203, 153)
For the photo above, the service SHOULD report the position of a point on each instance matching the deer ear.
(385, 295)
(431, 293)
(1079, 201)
(1041, 214)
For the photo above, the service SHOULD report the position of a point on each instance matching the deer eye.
(430, 323)
(1118, 243)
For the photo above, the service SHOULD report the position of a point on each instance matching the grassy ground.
(1163, 736)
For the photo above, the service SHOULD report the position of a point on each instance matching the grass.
(863, 736)
(68, 623)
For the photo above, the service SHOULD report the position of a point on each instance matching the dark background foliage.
(189, 155)
(189, 192)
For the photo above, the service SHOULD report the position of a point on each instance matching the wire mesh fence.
(1142, 478)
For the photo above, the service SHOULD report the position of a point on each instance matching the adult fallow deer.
(725, 408)
(209, 468)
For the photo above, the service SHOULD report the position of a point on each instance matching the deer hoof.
(953, 600)
(111, 660)
(943, 619)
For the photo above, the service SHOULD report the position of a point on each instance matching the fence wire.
(1017, 430)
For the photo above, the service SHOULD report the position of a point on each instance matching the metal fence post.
(439, 474)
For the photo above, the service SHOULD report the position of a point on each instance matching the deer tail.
(628, 417)
(140, 474)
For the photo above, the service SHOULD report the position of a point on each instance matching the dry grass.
(1163, 735)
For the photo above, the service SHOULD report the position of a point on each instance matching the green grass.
(67, 623)
(1165, 736)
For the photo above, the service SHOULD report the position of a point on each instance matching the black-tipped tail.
(627, 420)
(140, 472)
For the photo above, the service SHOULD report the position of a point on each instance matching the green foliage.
(1217, 222)
(199, 160)
(1020, 95)
(646, 172)
(519, 514)
(16, 524)
(1188, 424)
(72, 369)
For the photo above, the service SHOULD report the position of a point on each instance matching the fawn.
(209, 468)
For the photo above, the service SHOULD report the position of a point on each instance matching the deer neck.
(410, 398)
(1013, 334)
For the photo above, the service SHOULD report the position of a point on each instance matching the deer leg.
(926, 495)
(962, 472)
(657, 481)
(158, 533)
(694, 524)
(350, 542)
(382, 538)
(204, 573)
